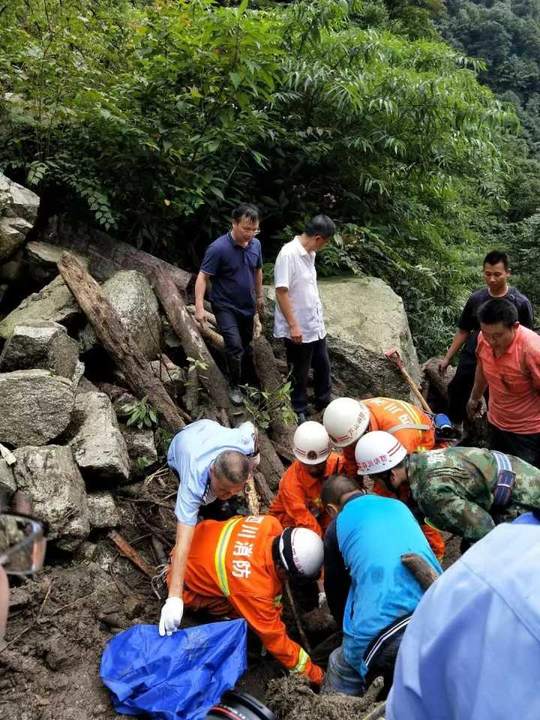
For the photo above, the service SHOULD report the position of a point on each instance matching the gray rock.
(35, 407)
(98, 445)
(7, 483)
(172, 376)
(141, 448)
(85, 386)
(18, 211)
(133, 299)
(364, 318)
(53, 302)
(51, 478)
(102, 511)
(40, 344)
(42, 258)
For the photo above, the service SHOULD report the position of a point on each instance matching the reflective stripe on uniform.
(408, 426)
(221, 551)
(303, 658)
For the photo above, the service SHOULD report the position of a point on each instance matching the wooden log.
(129, 551)
(191, 396)
(438, 382)
(271, 380)
(420, 568)
(117, 341)
(252, 499)
(107, 255)
(271, 466)
(264, 491)
(192, 342)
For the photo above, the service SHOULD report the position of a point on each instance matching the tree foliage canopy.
(152, 119)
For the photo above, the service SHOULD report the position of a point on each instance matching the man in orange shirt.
(237, 568)
(346, 420)
(298, 502)
(509, 365)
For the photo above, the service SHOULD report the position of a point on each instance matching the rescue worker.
(213, 463)
(237, 568)
(472, 648)
(346, 420)
(298, 501)
(465, 491)
(369, 591)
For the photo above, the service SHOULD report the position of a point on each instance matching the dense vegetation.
(151, 119)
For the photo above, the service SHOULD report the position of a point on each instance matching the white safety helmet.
(311, 444)
(301, 552)
(377, 452)
(345, 421)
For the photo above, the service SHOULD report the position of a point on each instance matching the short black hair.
(496, 256)
(320, 225)
(251, 212)
(498, 310)
(336, 487)
(232, 466)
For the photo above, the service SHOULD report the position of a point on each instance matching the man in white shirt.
(298, 317)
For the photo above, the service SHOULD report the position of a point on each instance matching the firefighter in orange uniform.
(346, 420)
(237, 568)
(298, 501)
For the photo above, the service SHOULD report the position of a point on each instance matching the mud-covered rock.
(18, 212)
(53, 482)
(102, 512)
(141, 448)
(53, 302)
(98, 445)
(35, 407)
(40, 344)
(130, 294)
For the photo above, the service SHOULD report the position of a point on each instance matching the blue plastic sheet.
(176, 677)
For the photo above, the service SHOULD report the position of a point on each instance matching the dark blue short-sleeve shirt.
(232, 269)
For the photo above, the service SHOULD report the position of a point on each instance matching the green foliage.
(140, 414)
(151, 119)
(261, 405)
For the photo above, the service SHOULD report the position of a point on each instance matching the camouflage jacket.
(454, 489)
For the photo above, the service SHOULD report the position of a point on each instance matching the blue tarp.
(174, 678)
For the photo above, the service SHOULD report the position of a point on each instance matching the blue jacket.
(472, 649)
(373, 532)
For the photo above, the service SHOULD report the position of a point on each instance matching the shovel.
(395, 358)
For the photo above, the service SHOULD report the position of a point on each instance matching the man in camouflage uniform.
(461, 490)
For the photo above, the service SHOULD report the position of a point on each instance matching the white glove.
(171, 616)
(322, 599)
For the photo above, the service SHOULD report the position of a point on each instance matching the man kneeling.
(368, 589)
(237, 568)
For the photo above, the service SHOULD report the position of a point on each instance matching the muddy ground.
(60, 622)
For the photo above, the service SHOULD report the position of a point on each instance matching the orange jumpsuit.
(298, 502)
(399, 418)
(230, 571)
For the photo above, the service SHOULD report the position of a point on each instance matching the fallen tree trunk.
(117, 341)
(271, 380)
(192, 342)
(271, 466)
(107, 255)
(420, 568)
(264, 491)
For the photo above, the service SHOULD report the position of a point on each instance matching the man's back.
(373, 533)
(410, 425)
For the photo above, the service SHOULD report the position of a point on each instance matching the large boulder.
(130, 294)
(54, 302)
(40, 344)
(18, 211)
(51, 478)
(365, 318)
(102, 512)
(98, 445)
(41, 260)
(141, 448)
(35, 407)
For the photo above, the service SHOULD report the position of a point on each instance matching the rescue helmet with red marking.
(300, 552)
(377, 452)
(311, 444)
(345, 421)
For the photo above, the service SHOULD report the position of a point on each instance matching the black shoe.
(235, 395)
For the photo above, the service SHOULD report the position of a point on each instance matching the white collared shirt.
(295, 270)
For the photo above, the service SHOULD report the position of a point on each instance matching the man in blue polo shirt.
(233, 264)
